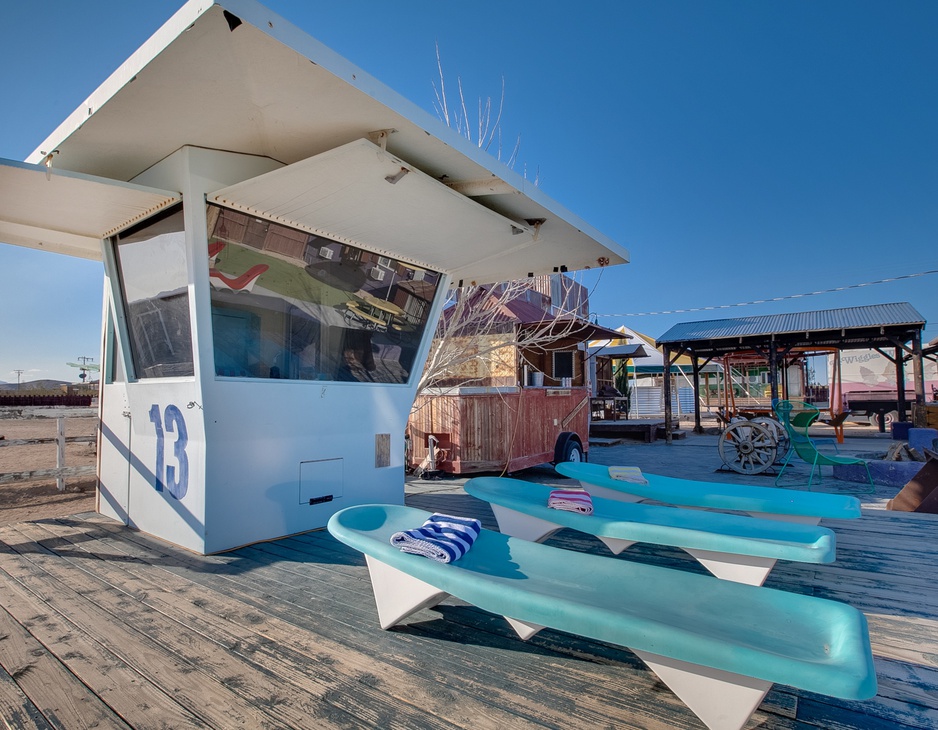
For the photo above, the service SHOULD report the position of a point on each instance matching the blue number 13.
(177, 484)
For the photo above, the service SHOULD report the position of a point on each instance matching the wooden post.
(918, 379)
(773, 373)
(696, 363)
(60, 451)
(900, 383)
(667, 393)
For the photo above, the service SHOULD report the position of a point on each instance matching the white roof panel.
(67, 212)
(365, 196)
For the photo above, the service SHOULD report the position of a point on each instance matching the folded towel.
(443, 538)
(627, 474)
(571, 500)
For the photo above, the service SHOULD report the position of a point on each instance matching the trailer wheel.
(569, 448)
(888, 419)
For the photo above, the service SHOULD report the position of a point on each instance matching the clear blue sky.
(741, 150)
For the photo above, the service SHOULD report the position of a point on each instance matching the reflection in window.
(152, 261)
(294, 305)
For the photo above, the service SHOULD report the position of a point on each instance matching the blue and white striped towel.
(443, 538)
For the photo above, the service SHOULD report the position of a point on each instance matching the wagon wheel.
(778, 432)
(747, 447)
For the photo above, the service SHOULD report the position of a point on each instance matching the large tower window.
(151, 257)
(299, 306)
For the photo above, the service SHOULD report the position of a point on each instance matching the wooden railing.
(44, 399)
(61, 471)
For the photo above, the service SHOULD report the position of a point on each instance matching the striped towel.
(627, 474)
(571, 500)
(443, 538)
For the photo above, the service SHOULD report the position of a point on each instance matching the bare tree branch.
(487, 129)
(498, 119)
(441, 108)
(477, 336)
(464, 122)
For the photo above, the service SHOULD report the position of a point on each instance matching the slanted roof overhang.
(853, 328)
(631, 352)
(68, 212)
(234, 76)
(565, 328)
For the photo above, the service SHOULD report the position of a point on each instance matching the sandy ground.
(35, 500)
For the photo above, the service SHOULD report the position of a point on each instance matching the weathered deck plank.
(464, 673)
(16, 709)
(277, 646)
(109, 677)
(50, 686)
(284, 634)
(181, 675)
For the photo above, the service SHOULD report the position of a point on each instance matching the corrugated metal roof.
(876, 315)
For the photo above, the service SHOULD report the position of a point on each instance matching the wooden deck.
(104, 627)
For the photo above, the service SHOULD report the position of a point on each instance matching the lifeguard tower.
(278, 232)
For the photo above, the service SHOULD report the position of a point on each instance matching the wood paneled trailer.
(502, 429)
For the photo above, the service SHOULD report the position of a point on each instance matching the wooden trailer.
(528, 405)
(502, 429)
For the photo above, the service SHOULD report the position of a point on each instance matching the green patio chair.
(802, 416)
(796, 417)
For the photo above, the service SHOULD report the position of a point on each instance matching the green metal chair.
(796, 417)
(802, 416)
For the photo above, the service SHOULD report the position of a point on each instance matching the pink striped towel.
(571, 500)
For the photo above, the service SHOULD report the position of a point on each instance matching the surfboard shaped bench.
(732, 547)
(718, 645)
(768, 502)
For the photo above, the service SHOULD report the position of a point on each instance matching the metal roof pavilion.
(897, 326)
(878, 325)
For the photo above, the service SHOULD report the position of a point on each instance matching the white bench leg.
(524, 629)
(738, 568)
(723, 700)
(397, 594)
(517, 524)
(616, 544)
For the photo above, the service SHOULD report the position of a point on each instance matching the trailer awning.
(364, 196)
(68, 212)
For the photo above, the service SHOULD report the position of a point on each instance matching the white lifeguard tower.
(278, 232)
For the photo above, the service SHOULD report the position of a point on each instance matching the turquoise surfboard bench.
(769, 502)
(732, 547)
(717, 644)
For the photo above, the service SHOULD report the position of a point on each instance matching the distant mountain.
(34, 385)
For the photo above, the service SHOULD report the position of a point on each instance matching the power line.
(773, 299)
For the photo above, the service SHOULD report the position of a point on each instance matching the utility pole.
(84, 369)
(18, 373)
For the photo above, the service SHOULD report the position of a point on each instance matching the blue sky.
(740, 150)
